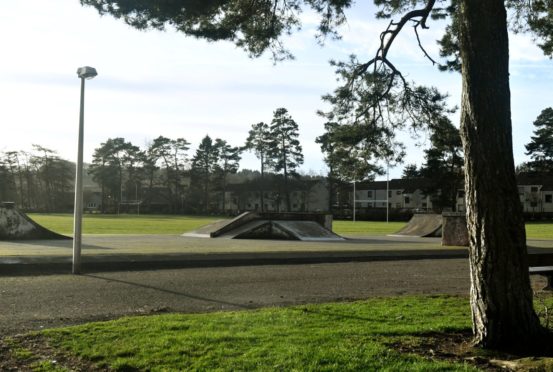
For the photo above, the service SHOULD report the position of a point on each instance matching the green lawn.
(330, 337)
(539, 230)
(169, 224)
(366, 227)
(123, 224)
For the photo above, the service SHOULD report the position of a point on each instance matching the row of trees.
(37, 180)
(41, 180)
(164, 167)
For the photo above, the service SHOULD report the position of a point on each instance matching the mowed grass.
(368, 228)
(539, 230)
(123, 224)
(329, 337)
(171, 224)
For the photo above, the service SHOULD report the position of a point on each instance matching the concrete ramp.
(422, 225)
(284, 230)
(16, 225)
(277, 226)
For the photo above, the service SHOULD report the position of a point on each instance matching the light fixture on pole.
(84, 73)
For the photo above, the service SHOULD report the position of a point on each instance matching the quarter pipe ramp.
(16, 225)
(422, 225)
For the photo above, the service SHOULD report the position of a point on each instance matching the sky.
(164, 83)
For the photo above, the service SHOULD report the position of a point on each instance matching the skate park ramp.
(277, 226)
(284, 230)
(422, 225)
(16, 225)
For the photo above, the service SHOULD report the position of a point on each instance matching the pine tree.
(540, 147)
(228, 163)
(204, 164)
(285, 149)
(258, 141)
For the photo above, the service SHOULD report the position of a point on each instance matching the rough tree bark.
(501, 296)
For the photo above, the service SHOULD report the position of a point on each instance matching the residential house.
(306, 195)
(396, 194)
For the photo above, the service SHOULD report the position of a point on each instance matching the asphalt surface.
(38, 302)
(145, 274)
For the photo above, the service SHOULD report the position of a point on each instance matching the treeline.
(164, 173)
(37, 180)
(162, 177)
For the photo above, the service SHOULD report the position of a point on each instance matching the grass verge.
(422, 333)
(328, 337)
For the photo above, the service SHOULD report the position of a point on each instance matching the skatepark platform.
(16, 225)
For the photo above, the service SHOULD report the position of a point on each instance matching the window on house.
(549, 198)
(390, 193)
(407, 200)
(398, 192)
(461, 193)
(369, 194)
(534, 189)
(424, 205)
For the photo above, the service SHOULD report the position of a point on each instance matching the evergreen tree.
(285, 150)
(411, 171)
(112, 161)
(444, 164)
(172, 154)
(258, 141)
(229, 162)
(540, 147)
(204, 164)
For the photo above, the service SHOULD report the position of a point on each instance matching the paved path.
(36, 302)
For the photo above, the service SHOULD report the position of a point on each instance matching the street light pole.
(83, 73)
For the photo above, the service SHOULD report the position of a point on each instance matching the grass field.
(123, 224)
(168, 224)
(330, 337)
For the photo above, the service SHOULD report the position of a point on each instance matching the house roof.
(545, 180)
(408, 185)
(271, 183)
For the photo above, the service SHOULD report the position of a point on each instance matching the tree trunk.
(501, 298)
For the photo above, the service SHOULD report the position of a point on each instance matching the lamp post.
(84, 73)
